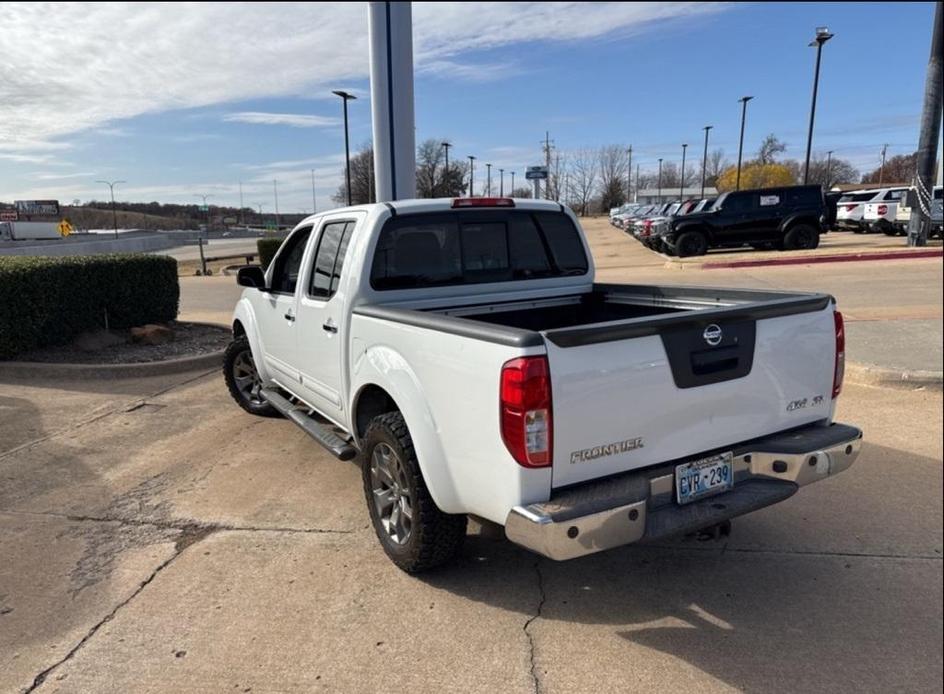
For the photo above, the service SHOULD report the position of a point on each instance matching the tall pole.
(704, 161)
(547, 163)
(114, 214)
(881, 169)
(512, 182)
(345, 97)
(636, 197)
(822, 36)
(829, 166)
(743, 100)
(660, 181)
(275, 187)
(446, 146)
(488, 179)
(242, 214)
(682, 184)
(501, 184)
(314, 203)
(629, 174)
(206, 207)
(928, 138)
(471, 176)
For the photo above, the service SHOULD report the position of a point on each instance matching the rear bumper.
(640, 506)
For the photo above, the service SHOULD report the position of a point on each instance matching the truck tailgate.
(632, 394)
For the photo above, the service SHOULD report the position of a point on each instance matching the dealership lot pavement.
(155, 537)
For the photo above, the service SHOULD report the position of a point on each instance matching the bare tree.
(769, 149)
(521, 192)
(716, 164)
(430, 160)
(898, 169)
(612, 175)
(583, 178)
(362, 178)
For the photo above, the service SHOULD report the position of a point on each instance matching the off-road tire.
(235, 351)
(691, 243)
(801, 237)
(435, 537)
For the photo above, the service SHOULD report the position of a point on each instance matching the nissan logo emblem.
(712, 335)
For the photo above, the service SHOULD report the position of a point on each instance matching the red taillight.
(840, 364)
(647, 228)
(850, 208)
(882, 209)
(483, 202)
(525, 402)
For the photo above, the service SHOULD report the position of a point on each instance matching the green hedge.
(267, 250)
(48, 301)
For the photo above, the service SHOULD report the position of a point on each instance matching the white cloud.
(295, 120)
(53, 176)
(470, 72)
(68, 67)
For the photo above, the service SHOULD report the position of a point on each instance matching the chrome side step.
(337, 446)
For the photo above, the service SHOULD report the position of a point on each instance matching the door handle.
(330, 327)
(289, 317)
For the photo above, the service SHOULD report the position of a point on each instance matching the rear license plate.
(704, 477)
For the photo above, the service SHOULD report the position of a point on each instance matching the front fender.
(386, 368)
(246, 315)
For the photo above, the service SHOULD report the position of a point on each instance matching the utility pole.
(704, 161)
(660, 181)
(446, 146)
(636, 196)
(242, 214)
(829, 166)
(629, 174)
(546, 144)
(743, 100)
(471, 176)
(512, 182)
(275, 187)
(881, 170)
(822, 36)
(501, 184)
(345, 97)
(928, 138)
(488, 179)
(314, 203)
(682, 184)
(114, 215)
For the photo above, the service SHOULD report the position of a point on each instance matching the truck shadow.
(811, 613)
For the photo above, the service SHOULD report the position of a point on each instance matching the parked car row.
(886, 210)
(785, 218)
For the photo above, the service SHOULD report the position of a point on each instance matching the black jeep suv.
(787, 218)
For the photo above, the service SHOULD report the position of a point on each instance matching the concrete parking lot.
(155, 537)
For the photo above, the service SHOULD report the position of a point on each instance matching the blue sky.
(194, 99)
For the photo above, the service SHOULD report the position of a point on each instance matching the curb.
(869, 375)
(834, 258)
(40, 369)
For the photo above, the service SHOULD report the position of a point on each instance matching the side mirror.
(251, 276)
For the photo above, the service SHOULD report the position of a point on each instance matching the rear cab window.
(450, 248)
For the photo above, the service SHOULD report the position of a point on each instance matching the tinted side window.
(329, 259)
(289, 262)
(893, 195)
(737, 203)
(806, 197)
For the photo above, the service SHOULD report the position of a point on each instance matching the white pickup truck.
(461, 350)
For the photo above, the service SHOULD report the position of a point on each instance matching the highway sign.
(536, 172)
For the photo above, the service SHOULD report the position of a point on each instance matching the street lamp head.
(343, 94)
(822, 36)
(708, 127)
(745, 99)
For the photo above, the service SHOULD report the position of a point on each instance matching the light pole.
(512, 182)
(501, 184)
(206, 208)
(682, 184)
(471, 176)
(629, 174)
(743, 100)
(114, 215)
(660, 181)
(829, 164)
(704, 161)
(636, 197)
(822, 36)
(275, 187)
(488, 180)
(446, 146)
(881, 170)
(345, 97)
(314, 204)
(242, 214)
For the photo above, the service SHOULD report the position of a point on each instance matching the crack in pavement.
(125, 406)
(535, 680)
(186, 539)
(182, 525)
